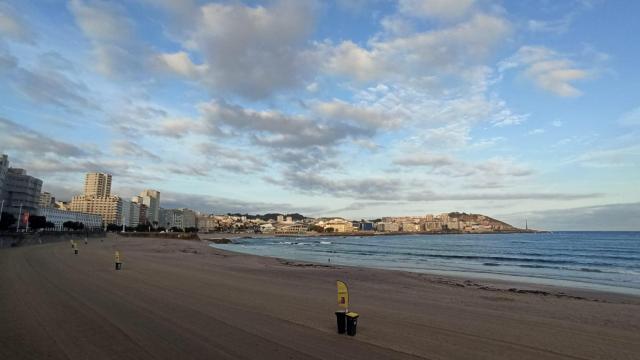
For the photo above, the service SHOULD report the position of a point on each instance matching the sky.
(513, 109)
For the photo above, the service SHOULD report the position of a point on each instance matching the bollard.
(117, 260)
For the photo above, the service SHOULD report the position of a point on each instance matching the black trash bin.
(75, 251)
(118, 266)
(352, 323)
(341, 318)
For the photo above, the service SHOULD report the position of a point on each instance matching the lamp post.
(19, 218)
(1, 209)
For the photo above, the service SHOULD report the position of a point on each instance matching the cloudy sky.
(515, 109)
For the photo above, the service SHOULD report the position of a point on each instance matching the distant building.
(151, 199)
(387, 227)
(62, 205)
(339, 225)
(4, 168)
(365, 226)
(180, 218)
(133, 218)
(280, 218)
(142, 219)
(410, 227)
(267, 228)
(110, 208)
(21, 191)
(92, 222)
(289, 219)
(46, 200)
(97, 184)
(294, 229)
(206, 223)
(188, 218)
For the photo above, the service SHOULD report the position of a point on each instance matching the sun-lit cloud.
(548, 70)
(347, 106)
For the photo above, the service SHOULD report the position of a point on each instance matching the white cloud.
(26, 140)
(181, 64)
(252, 51)
(366, 116)
(440, 53)
(548, 70)
(13, 25)
(275, 129)
(439, 9)
(116, 50)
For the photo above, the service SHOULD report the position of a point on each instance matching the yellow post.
(343, 295)
(117, 260)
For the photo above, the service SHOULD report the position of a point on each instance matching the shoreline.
(492, 281)
(367, 233)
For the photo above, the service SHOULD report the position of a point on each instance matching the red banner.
(25, 219)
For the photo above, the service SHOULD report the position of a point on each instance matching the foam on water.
(597, 259)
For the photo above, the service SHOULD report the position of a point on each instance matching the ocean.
(608, 261)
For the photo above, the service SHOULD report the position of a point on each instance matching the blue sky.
(516, 109)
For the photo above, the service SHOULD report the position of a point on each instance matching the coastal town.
(25, 206)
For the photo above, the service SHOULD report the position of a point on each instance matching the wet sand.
(178, 299)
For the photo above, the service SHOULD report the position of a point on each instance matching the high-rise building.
(97, 184)
(21, 191)
(150, 198)
(46, 200)
(4, 168)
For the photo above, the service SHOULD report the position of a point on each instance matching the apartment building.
(97, 184)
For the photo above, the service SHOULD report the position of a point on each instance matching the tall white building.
(150, 198)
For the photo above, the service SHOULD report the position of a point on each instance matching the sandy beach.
(179, 299)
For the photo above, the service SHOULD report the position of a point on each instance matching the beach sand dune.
(177, 299)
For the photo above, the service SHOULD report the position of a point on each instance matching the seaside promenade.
(179, 299)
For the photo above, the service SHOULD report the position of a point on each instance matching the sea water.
(595, 260)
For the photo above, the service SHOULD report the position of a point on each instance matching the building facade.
(97, 184)
(110, 208)
(151, 199)
(207, 223)
(180, 218)
(92, 222)
(4, 168)
(46, 200)
(294, 229)
(21, 191)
